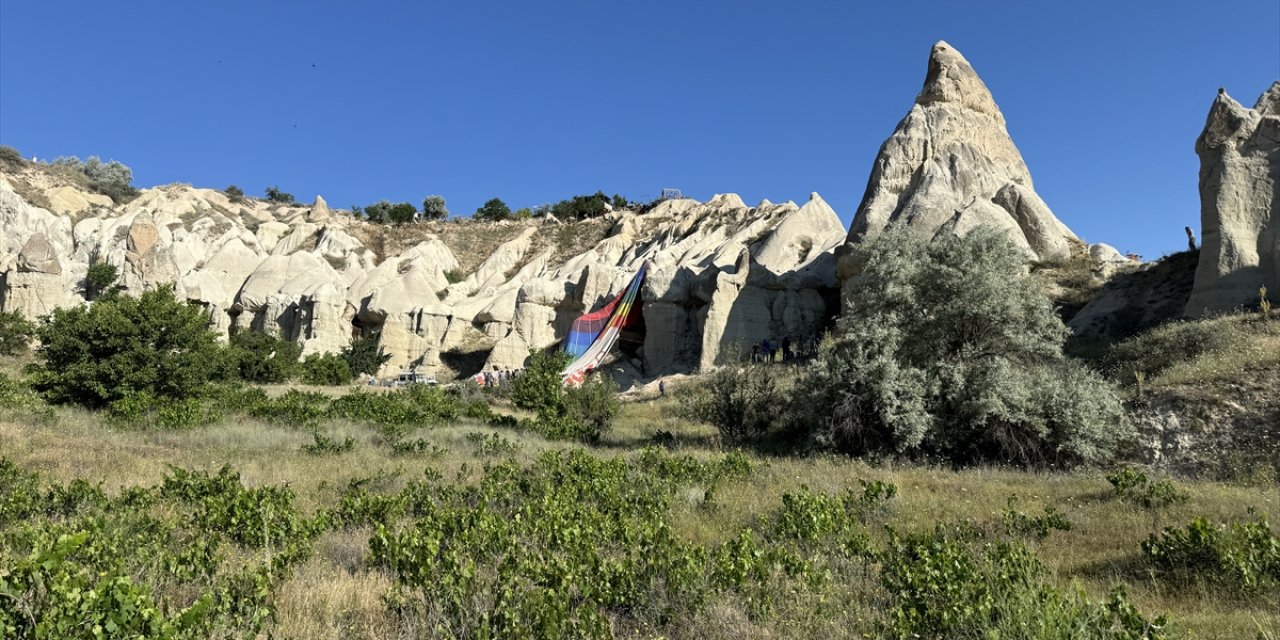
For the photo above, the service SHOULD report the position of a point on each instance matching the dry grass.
(335, 595)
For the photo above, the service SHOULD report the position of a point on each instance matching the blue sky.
(537, 101)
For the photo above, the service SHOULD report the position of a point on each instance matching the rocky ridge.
(722, 274)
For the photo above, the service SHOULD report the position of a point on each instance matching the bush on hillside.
(1242, 556)
(587, 206)
(326, 369)
(263, 358)
(11, 158)
(387, 212)
(591, 407)
(364, 355)
(581, 413)
(493, 210)
(119, 346)
(433, 208)
(948, 349)
(743, 402)
(1151, 353)
(112, 179)
(236, 194)
(15, 333)
(276, 196)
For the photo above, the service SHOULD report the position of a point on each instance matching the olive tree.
(949, 349)
(433, 208)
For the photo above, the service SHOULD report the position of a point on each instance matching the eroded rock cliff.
(447, 297)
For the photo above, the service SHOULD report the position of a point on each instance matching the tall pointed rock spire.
(951, 162)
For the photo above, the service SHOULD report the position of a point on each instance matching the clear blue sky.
(536, 101)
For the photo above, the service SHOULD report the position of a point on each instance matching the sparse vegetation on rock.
(274, 195)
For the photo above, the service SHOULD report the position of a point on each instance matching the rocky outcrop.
(1239, 203)
(723, 274)
(951, 162)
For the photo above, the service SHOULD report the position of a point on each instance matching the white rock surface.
(1239, 204)
(722, 275)
(951, 162)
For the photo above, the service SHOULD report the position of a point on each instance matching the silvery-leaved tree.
(948, 349)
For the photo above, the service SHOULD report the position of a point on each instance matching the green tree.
(401, 213)
(15, 333)
(119, 346)
(276, 196)
(326, 369)
(494, 209)
(949, 349)
(99, 280)
(263, 358)
(540, 388)
(378, 212)
(580, 413)
(364, 355)
(433, 208)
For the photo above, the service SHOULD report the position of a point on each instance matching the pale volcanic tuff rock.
(951, 164)
(1239, 204)
(723, 275)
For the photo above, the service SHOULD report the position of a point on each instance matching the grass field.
(338, 593)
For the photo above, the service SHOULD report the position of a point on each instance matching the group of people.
(784, 350)
(499, 377)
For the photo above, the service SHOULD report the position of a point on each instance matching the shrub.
(122, 345)
(326, 369)
(591, 407)
(583, 413)
(324, 445)
(364, 355)
(586, 206)
(294, 408)
(945, 586)
(433, 208)
(263, 358)
(494, 209)
(111, 179)
(1147, 355)
(100, 279)
(11, 158)
(541, 387)
(949, 349)
(144, 410)
(1243, 556)
(1134, 486)
(276, 196)
(236, 194)
(15, 333)
(742, 401)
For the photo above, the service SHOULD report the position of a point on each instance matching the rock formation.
(950, 162)
(454, 296)
(1239, 203)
